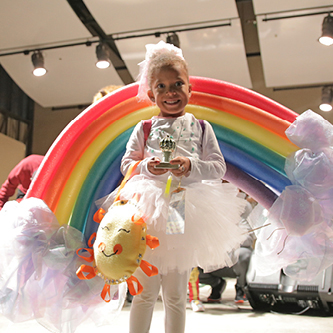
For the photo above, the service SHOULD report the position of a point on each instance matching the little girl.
(208, 231)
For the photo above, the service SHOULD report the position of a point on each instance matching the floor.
(226, 317)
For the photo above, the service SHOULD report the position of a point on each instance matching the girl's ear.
(151, 95)
(190, 89)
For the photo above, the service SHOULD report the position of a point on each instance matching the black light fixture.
(327, 31)
(38, 62)
(326, 99)
(103, 56)
(173, 39)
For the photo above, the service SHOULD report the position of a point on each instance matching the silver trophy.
(168, 146)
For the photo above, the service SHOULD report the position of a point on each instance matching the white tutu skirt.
(212, 216)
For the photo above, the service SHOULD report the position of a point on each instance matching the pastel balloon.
(298, 210)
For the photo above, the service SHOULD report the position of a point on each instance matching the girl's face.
(170, 90)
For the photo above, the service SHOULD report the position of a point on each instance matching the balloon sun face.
(120, 243)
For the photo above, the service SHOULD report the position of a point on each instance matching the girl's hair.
(158, 56)
(164, 60)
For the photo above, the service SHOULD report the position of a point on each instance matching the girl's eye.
(105, 228)
(160, 86)
(179, 84)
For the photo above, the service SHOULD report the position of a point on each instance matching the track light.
(327, 31)
(173, 39)
(326, 99)
(103, 56)
(38, 62)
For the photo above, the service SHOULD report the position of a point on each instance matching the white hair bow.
(151, 50)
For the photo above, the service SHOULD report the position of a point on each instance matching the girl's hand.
(151, 167)
(184, 166)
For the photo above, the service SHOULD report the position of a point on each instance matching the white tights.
(174, 295)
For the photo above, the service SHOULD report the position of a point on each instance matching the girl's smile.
(170, 90)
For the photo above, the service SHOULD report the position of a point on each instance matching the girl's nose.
(171, 91)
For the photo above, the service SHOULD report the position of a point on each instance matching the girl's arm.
(211, 165)
(135, 152)
(134, 149)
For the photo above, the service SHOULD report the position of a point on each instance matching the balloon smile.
(117, 249)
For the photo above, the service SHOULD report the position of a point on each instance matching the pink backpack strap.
(202, 124)
(146, 129)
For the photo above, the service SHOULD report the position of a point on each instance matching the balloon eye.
(101, 247)
(117, 249)
(122, 229)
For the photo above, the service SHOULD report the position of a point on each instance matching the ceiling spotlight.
(327, 31)
(173, 39)
(38, 62)
(326, 99)
(103, 56)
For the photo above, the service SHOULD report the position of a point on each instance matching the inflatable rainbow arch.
(83, 164)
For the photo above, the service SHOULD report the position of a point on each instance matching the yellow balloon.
(76, 179)
(253, 131)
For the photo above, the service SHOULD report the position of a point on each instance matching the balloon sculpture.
(283, 160)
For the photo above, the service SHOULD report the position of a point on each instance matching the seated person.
(215, 278)
(20, 178)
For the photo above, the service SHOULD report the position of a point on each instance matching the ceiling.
(269, 46)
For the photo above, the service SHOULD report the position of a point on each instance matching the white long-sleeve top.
(207, 162)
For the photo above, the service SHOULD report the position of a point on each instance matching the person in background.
(104, 91)
(216, 278)
(20, 178)
(193, 288)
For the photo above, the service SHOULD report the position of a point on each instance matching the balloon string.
(252, 230)
(284, 244)
(273, 232)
